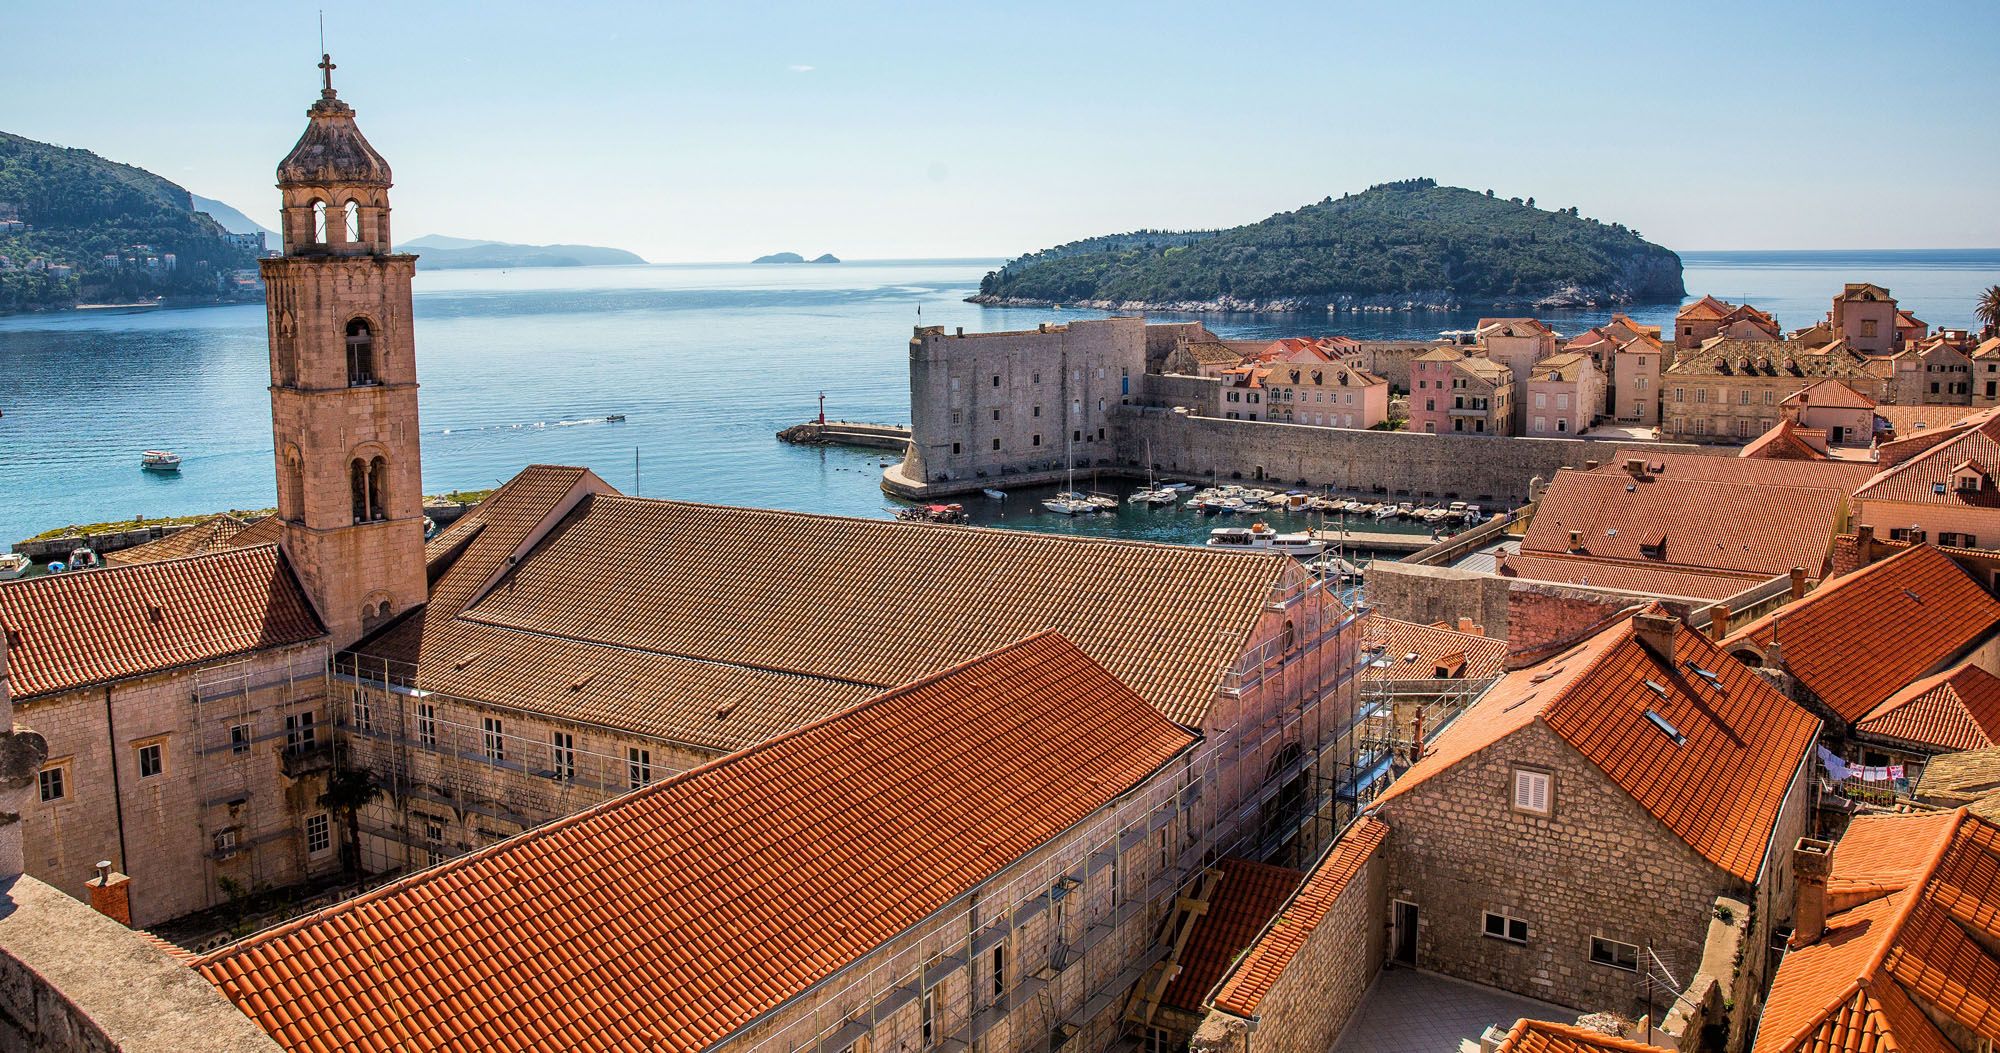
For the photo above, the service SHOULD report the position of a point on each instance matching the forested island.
(793, 257)
(76, 228)
(438, 252)
(1395, 246)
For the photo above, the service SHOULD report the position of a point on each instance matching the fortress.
(1020, 408)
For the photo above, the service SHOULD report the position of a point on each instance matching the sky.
(722, 131)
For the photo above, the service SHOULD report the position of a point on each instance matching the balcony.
(301, 761)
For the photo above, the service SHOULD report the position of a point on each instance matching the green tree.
(348, 790)
(1989, 308)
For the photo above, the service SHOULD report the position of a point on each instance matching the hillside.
(439, 252)
(1404, 245)
(232, 219)
(75, 227)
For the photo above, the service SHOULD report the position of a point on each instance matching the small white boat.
(14, 565)
(997, 495)
(83, 558)
(1297, 499)
(161, 461)
(1182, 487)
(1069, 506)
(1103, 501)
(1258, 536)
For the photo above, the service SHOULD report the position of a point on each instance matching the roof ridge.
(720, 763)
(1624, 631)
(468, 616)
(1826, 588)
(113, 568)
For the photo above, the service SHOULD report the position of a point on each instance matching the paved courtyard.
(1416, 1012)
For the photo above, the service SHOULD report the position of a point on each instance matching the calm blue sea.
(705, 361)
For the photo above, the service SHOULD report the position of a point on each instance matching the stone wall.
(1320, 989)
(1402, 464)
(1201, 396)
(1527, 614)
(1390, 359)
(1599, 865)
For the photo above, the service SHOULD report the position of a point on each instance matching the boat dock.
(1376, 540)
(847, 433)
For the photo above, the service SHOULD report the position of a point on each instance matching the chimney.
(1635, 467)
(1576, 541)
(1798, 583)
(1718, 620)
(1810, 862)
(961, 330)
(111, 894)
(1656, 634)
(1467, 625)
(1590, 466)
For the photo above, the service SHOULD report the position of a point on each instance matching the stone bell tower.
(344, 379)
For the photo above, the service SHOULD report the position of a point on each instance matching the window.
(360, 353)
(1541, 424)
(1038, 376)
(1531, 791)
(54, 782)
(1562, 424)
(996, 380)
(364, 717)
(956, 448)
(999, 970)
(319, 834)
(1614, 954)
(1768, 397)
(319, 222)
(427, 726)
(638, 766)
(301, 731)
(562, 756)
(1541, 400)
(1743, 397)
(996, 414)
(930, 1018)
(434, 841)
(225, 842)
(1680, 394)
(1868, 327)
(996, 444)
(1502, 927)
(1037, 412)
(239, 738)
(1037, 439)
(495, 739)
(1161, 1040)
(956, 417)
(152, 760)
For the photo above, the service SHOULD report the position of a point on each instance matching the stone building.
(1947, 495)
(1985, 374)
(1729, 390)
(1896, 940)
(1460, 393)
(1707, 318)
(1845, 416)
(1309, 387)
(1024, 405)
(1565, 395)
(1583, 819)
(1636, 366)
(1201, 358)
(1864, 316)
(982, 857)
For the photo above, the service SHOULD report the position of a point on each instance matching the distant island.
(793, 257)
(438, 252)
(77, 228)
(1409, 245)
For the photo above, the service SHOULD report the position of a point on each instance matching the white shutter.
(1531, 791)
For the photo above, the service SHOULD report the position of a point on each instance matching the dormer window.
(1968, 477)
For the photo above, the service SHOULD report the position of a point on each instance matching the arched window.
(357, 481)
(319, 222)
(292, 487)
(378, 489)
(353, 221)
(360, 353)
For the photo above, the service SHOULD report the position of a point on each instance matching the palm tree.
(1989, 308)
(348, 790)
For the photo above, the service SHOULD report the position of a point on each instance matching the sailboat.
(1069, 502)
(1154, 493)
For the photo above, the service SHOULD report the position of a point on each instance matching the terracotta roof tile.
(1922, 897)
(1650, 578)
(1719, 789)
(1861, 637)
(628, 924)
(213, 534)
(1258, 971)
(861, 601)
(1724, 526)
(1843, 476)
(73, 630)
(1246, 898)
(1728, 357)
(1786, 441)
(1539, 1036)
(1919, 479)
(1958, 709)
(1475, 657)
(1830, 394)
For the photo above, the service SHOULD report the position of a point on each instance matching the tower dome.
(336, 187)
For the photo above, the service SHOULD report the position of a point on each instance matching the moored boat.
(14, 565)
(160, 461)
(997, 495)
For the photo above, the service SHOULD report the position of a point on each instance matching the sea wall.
(1486, 469)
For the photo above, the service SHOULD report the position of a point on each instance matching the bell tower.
(344, 379)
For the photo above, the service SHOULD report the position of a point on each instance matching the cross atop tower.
(326, 67)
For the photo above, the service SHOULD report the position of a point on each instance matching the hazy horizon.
(889, 131)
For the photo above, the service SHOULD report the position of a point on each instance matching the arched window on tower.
(357, 481)
(292, 486)
(360, 353)
(319, 222)
(353, 221)
(378, 488)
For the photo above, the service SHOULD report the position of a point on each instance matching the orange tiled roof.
(1862, 636)
(1708, 307)
(1762, 359)
(1709, 525)
(1831, 394)
(1651, 579)
(861, 603)
(1245, 900)
(1719, 790)
(1787, 441)
(1540, 1036)
(1516, 326)
(213, 534)
(1843, 476)
(1253, 976)
(1958, 709)
(1475, 657)
(1918, 479)
(1914, 906)
(74, 630)
(674, 916)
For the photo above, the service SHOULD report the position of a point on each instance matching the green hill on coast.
(1406, 245)
(76, 227)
